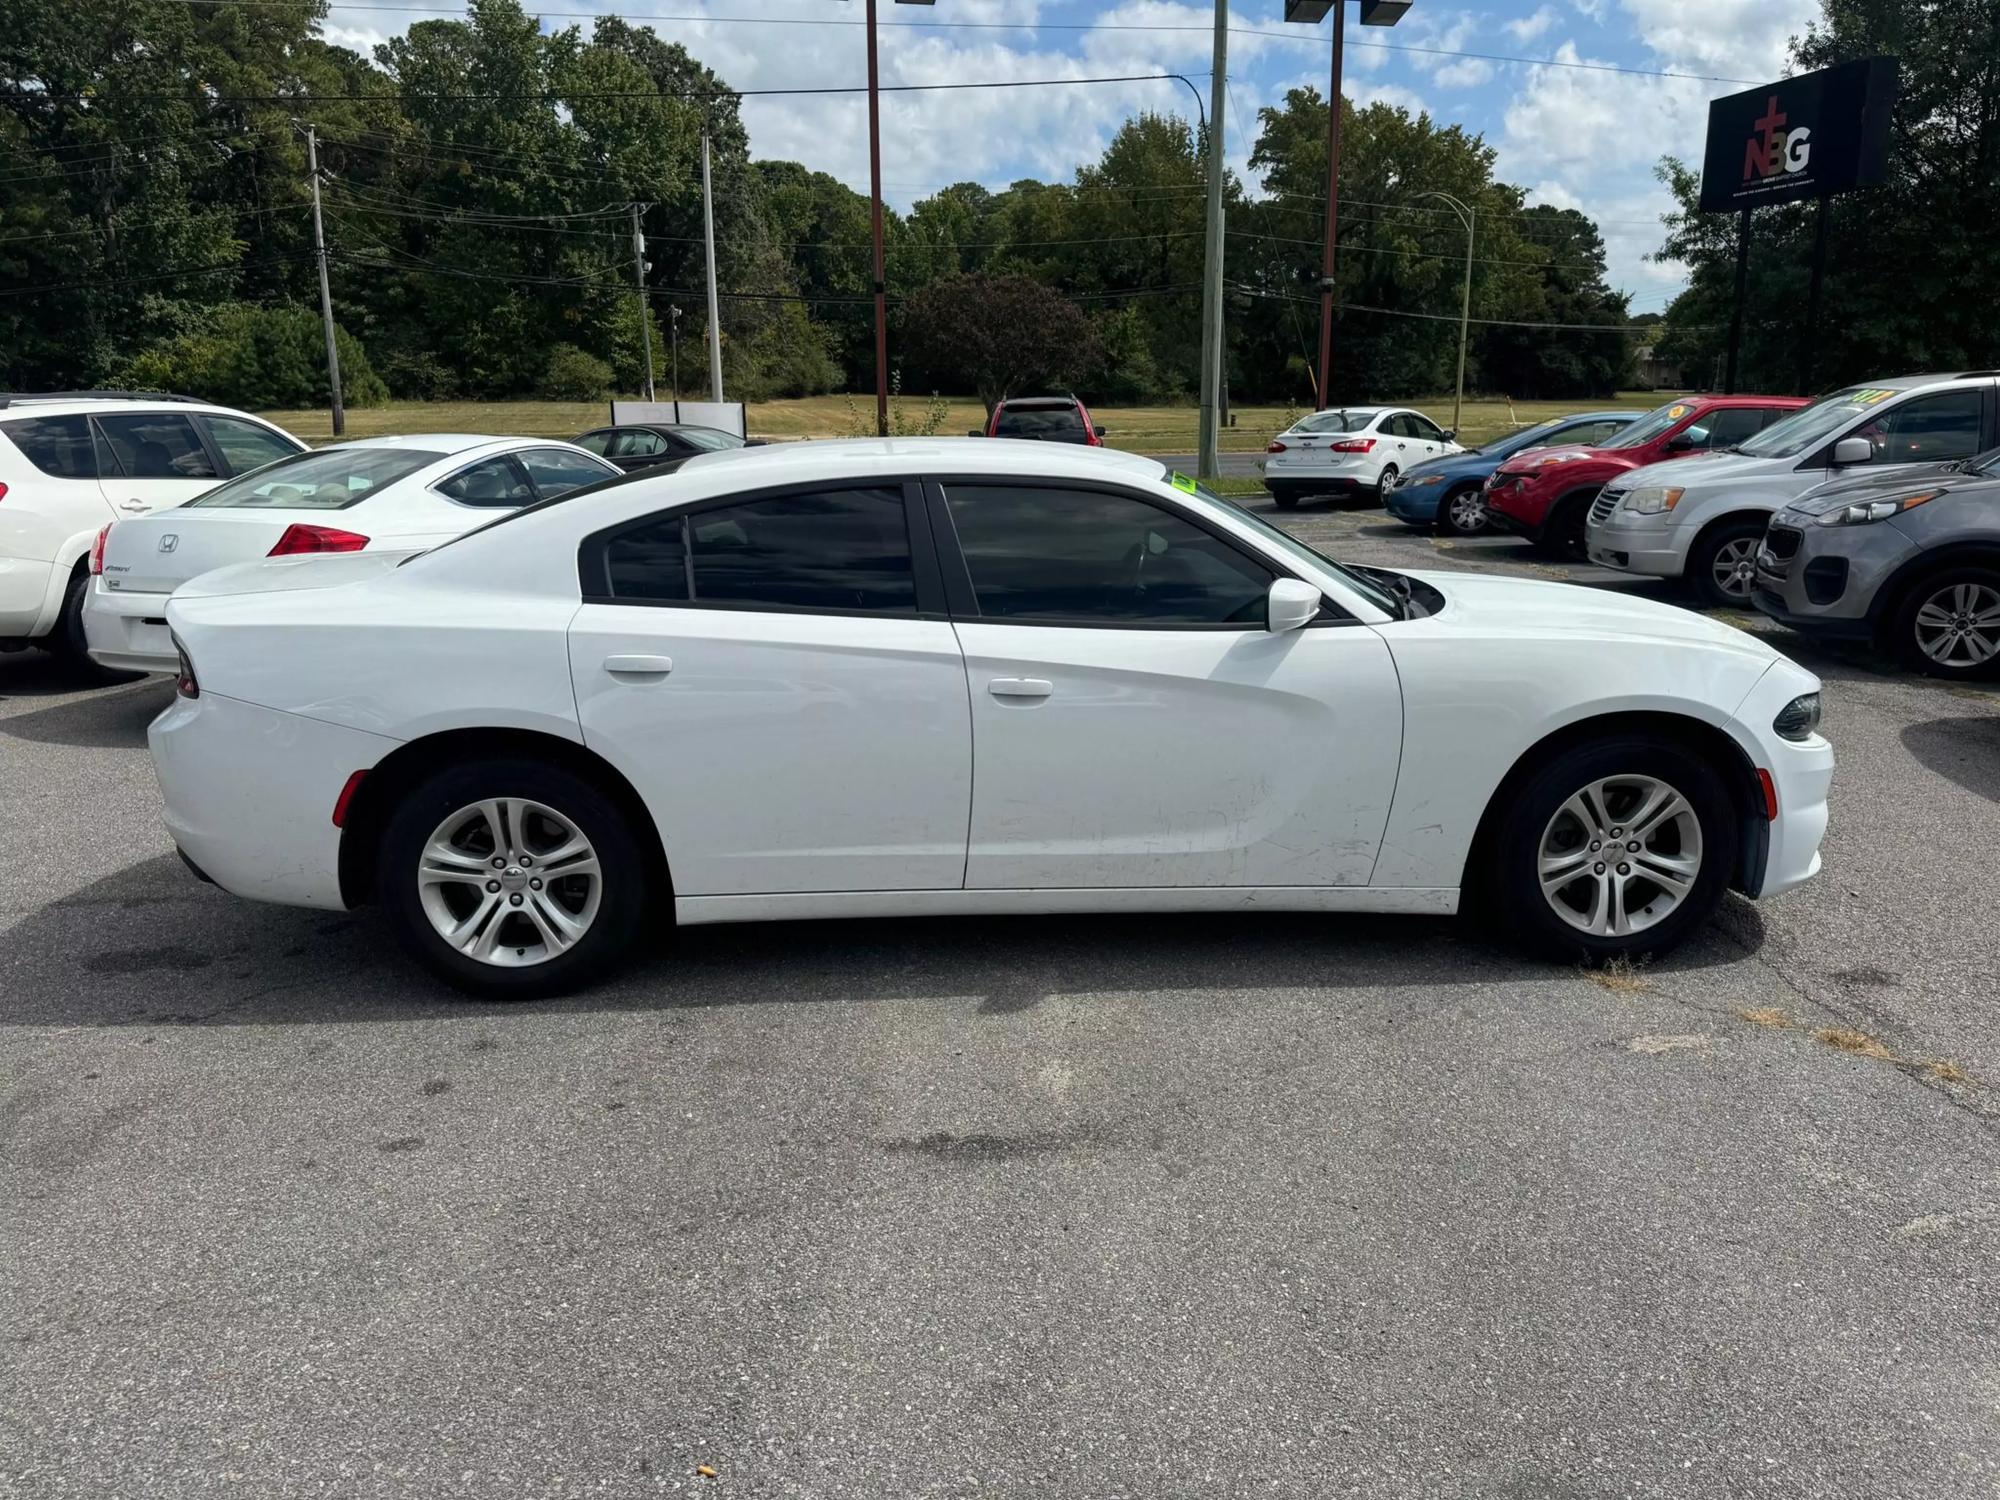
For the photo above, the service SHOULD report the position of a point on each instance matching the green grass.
(1147, 429)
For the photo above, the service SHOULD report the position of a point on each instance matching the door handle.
(132, 505)
(1020, 687)
(638, 666)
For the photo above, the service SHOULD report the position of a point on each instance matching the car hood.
(277, 575)
(1849, 489)
(1465, 464)
(1483, 602)
(1702, 468)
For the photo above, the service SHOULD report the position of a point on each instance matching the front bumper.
(1801, 774)
(128, 632)
(250, 792)
(1415, 503)
(1824, 580)
(1635, 544)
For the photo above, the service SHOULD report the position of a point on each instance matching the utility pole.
(639, 286)
(708, 240)
(1211, 277)
(674, 332)
(875, 233)
(325, 292)
(1468, 215)
(1736, 310)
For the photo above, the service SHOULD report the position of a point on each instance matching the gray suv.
(1909, 559)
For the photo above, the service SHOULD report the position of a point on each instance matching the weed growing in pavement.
(1766, 1015)
(1620, 976)
(1860, 1043)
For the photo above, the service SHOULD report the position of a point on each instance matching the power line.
(1399, 312)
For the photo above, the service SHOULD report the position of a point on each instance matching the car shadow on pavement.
(36, 674)
(151, 946)
(1966, 751)
(116, 717)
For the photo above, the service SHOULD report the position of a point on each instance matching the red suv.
(1046, 419)
(1544, 494)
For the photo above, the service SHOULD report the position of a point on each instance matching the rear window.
(331, 479)
(58, 446)
(1037, 421)
(1337, 419)
(712, 439)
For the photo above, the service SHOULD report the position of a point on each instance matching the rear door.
(721, 648)
(1134, 723)
(155, 459)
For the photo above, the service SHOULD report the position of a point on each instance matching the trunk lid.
(156, 554)
(277, 575)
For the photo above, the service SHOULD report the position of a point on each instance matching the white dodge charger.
(927, 676)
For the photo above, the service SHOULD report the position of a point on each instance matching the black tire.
(1562, 532)
(1908, 644)
(68, 644)
(1385, 482)
(1284, 498)
(1511, 883)
(622, 903)
(1707, 556)
(1448, 525)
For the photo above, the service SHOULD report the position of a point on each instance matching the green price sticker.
(1181, 481)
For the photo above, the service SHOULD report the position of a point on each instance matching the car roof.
(70, 406)
(447, 442)
(1031, 402)
(659, 427)
(864, 458)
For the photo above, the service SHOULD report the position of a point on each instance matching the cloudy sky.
(1575, 137)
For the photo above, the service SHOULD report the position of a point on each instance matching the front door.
(759, 669)
(1135, 725)
(155, 460)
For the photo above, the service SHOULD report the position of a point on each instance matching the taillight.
(1276, 447)
(300, 538)
(184, 682)
(3, 492)
(1354, 445)
(96, 547)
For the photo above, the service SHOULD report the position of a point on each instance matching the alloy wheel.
(1620, 855)
(1959, 625)
(1465, 512)
(1385, 482)
(1735, 566)
(509, 882)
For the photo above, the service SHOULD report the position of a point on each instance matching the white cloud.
(1463, 34)
(1590, 10)
(1527, 28)
(1727, 37)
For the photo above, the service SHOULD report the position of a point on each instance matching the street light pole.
(1469, 216)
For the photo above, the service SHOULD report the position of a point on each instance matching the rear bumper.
(25, 585)
(128, 632)
(250, 791)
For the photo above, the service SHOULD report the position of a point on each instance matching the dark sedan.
(662, 446)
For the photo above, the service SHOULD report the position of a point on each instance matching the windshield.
(1514, 442)
(708, 439)
(1285, 542)
(330, 479)
(1651, 425)
(1812, 425)
(1984, 463)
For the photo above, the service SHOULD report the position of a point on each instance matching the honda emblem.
(170, 541)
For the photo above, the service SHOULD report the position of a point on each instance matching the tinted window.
(157, 445)
(636, 444)
(1336, 419)
(1038, 421)
(708, 439)
(836, 549)
(650, 561)
(331, 479)
(495, 481)
(597, 442)
(1589, 434)
(245, 445)
(59, 446)
(1730, 426)
(556, 471)
(1928, 429)
(1078, 555)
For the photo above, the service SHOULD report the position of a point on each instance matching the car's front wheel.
(1722, 565)
(1463, 512)
(1949, 624)
(512, 879)
(1616, 848)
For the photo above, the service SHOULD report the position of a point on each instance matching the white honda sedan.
(398, 494)
(1350, 451)
(922, 676)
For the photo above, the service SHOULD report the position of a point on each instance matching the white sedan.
(399, 494)
(919, 676)
(1351, 450)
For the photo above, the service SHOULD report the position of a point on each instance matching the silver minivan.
(1703, 518)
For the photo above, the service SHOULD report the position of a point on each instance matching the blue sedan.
(1449, 492)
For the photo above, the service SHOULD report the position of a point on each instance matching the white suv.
(69, 463)
(1703, 518)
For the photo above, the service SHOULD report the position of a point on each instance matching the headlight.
(1652, 499)
(1875, 510)
(1426, 479)
(1798, 719)
(1557, 458)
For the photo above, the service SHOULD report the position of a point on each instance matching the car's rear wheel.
(68, 644)
(1385, 482)
(512, 879)
(1617, 848)
(1284, 496)
(1722, 565)
(1463, 512)
(1949, 624)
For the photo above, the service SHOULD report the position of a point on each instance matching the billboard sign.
(1804, 137)
(727, 415)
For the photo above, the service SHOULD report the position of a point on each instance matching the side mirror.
(1680, 442)
(1101, 429)
(1292, 602)
(1451, 434)
(1852, 451)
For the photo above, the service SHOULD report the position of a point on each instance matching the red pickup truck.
(1544, 494)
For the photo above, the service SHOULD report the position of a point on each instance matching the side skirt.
(1407, 900)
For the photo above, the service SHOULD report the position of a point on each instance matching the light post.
(875, 225)
(1311, 13)
(1467, 216)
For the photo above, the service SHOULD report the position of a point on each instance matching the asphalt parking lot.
(1281, 1205)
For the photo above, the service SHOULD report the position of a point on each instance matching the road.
(1228, 465)
(1191, 1206)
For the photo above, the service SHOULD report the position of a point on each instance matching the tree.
(997, 334)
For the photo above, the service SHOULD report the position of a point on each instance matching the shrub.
(572, 375)
(257, 357)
